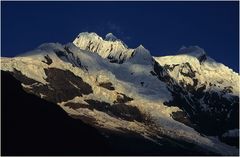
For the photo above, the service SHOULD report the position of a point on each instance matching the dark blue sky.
(162, 27)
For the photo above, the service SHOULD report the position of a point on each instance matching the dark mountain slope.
(33, 126)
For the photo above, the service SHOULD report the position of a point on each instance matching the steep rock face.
(209, 99)
(150, 97)
(112, 48)
(62, 85)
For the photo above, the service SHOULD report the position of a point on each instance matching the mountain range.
(97, 96)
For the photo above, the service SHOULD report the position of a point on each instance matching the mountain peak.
(110, 47)
(110, 37)
(141, 55)
(87, 35)
(141, 47)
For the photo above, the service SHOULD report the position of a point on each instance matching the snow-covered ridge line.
(110, 47)
(117, 51)
(109, 37)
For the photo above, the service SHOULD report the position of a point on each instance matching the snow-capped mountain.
(111, 48)
(188, 97)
